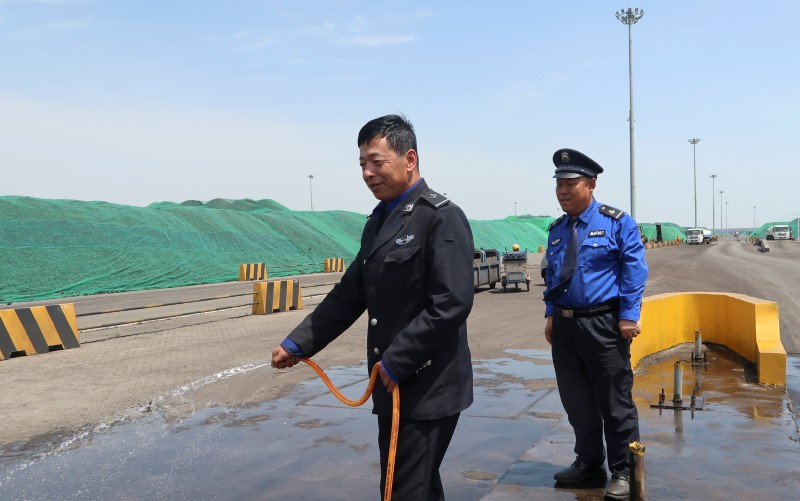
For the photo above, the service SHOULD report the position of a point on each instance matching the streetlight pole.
(311, 190)
(515, 209)
(754, 218)
(694, 142)
(726, 216)
(713, 207)
(629, 18)
(720, 210)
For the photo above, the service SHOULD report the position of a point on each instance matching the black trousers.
(421, 446)
(593, 371)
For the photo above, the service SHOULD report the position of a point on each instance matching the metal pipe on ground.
(636, 466)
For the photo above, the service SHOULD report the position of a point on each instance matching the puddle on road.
(268, 449)
(308, 445)
(742, 445)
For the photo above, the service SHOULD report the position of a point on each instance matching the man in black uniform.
(595, 277)
(413, 274)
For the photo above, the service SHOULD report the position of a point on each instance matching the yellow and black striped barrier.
(37, 330)
(334, 264)
(277, 295)
(252, 271)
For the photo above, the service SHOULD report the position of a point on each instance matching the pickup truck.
(486, 268)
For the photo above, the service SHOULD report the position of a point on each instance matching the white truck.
(695, 236)
(779, 232)
(698, 236)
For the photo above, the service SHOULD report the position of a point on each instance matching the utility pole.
(694, 142)
(713, 205)
(726, 216)
(311, 190)
(720, 210)
(629, 18)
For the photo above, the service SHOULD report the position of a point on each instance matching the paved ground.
(185, 372)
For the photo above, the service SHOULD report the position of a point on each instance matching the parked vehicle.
(779, 232)
(486, 268)
(707, 236)
(515, 269)
(542, 266)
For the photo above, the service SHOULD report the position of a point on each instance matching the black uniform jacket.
(415, 280)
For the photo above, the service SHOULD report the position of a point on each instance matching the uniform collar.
(391, 206)
(586, 215)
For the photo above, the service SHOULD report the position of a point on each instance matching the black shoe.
(619, 487)
(579, 472)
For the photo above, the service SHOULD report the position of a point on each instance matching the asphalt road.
(153, 357)
(737, 267)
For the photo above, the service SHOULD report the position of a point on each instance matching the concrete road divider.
(277, 295)
(334, 264)
(252, 271)
(747, 325)
(37, 330)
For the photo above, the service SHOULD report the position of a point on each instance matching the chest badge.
(404, 240)
(555, 242)
(597, 233)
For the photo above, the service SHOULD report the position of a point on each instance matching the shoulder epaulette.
(556, 222)
(611, 212)
(434, 199)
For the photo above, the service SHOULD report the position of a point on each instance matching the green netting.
(56, 248)
(669, 231)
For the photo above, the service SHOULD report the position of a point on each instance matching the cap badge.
(565, 156)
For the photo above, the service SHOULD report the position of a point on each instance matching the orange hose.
(387, 492)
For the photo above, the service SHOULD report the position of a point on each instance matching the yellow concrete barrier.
(334, 264)
(252, 271)
(541, 249)
(747, 325)
(37, 330)
(277, 295)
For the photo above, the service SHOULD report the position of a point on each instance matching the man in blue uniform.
(595, 278)
(413, 275)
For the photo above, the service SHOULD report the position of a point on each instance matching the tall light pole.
(754, 218)
(311, 190)
(694, 142)
(629, 18)
(726, 216)
(713, 205)
(720, 210)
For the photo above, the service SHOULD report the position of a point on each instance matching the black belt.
(600, 309)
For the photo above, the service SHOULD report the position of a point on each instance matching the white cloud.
(64, 25)
(381, 40)
(48, 2)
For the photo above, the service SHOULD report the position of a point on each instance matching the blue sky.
(137, 102)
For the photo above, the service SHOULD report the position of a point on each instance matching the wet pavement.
(307, 445)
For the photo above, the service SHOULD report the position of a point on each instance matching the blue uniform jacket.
(610, 261)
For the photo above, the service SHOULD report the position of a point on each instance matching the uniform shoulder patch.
(434, 199)
(611, 212)
(556, 222)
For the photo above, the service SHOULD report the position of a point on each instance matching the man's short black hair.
(397, 130)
